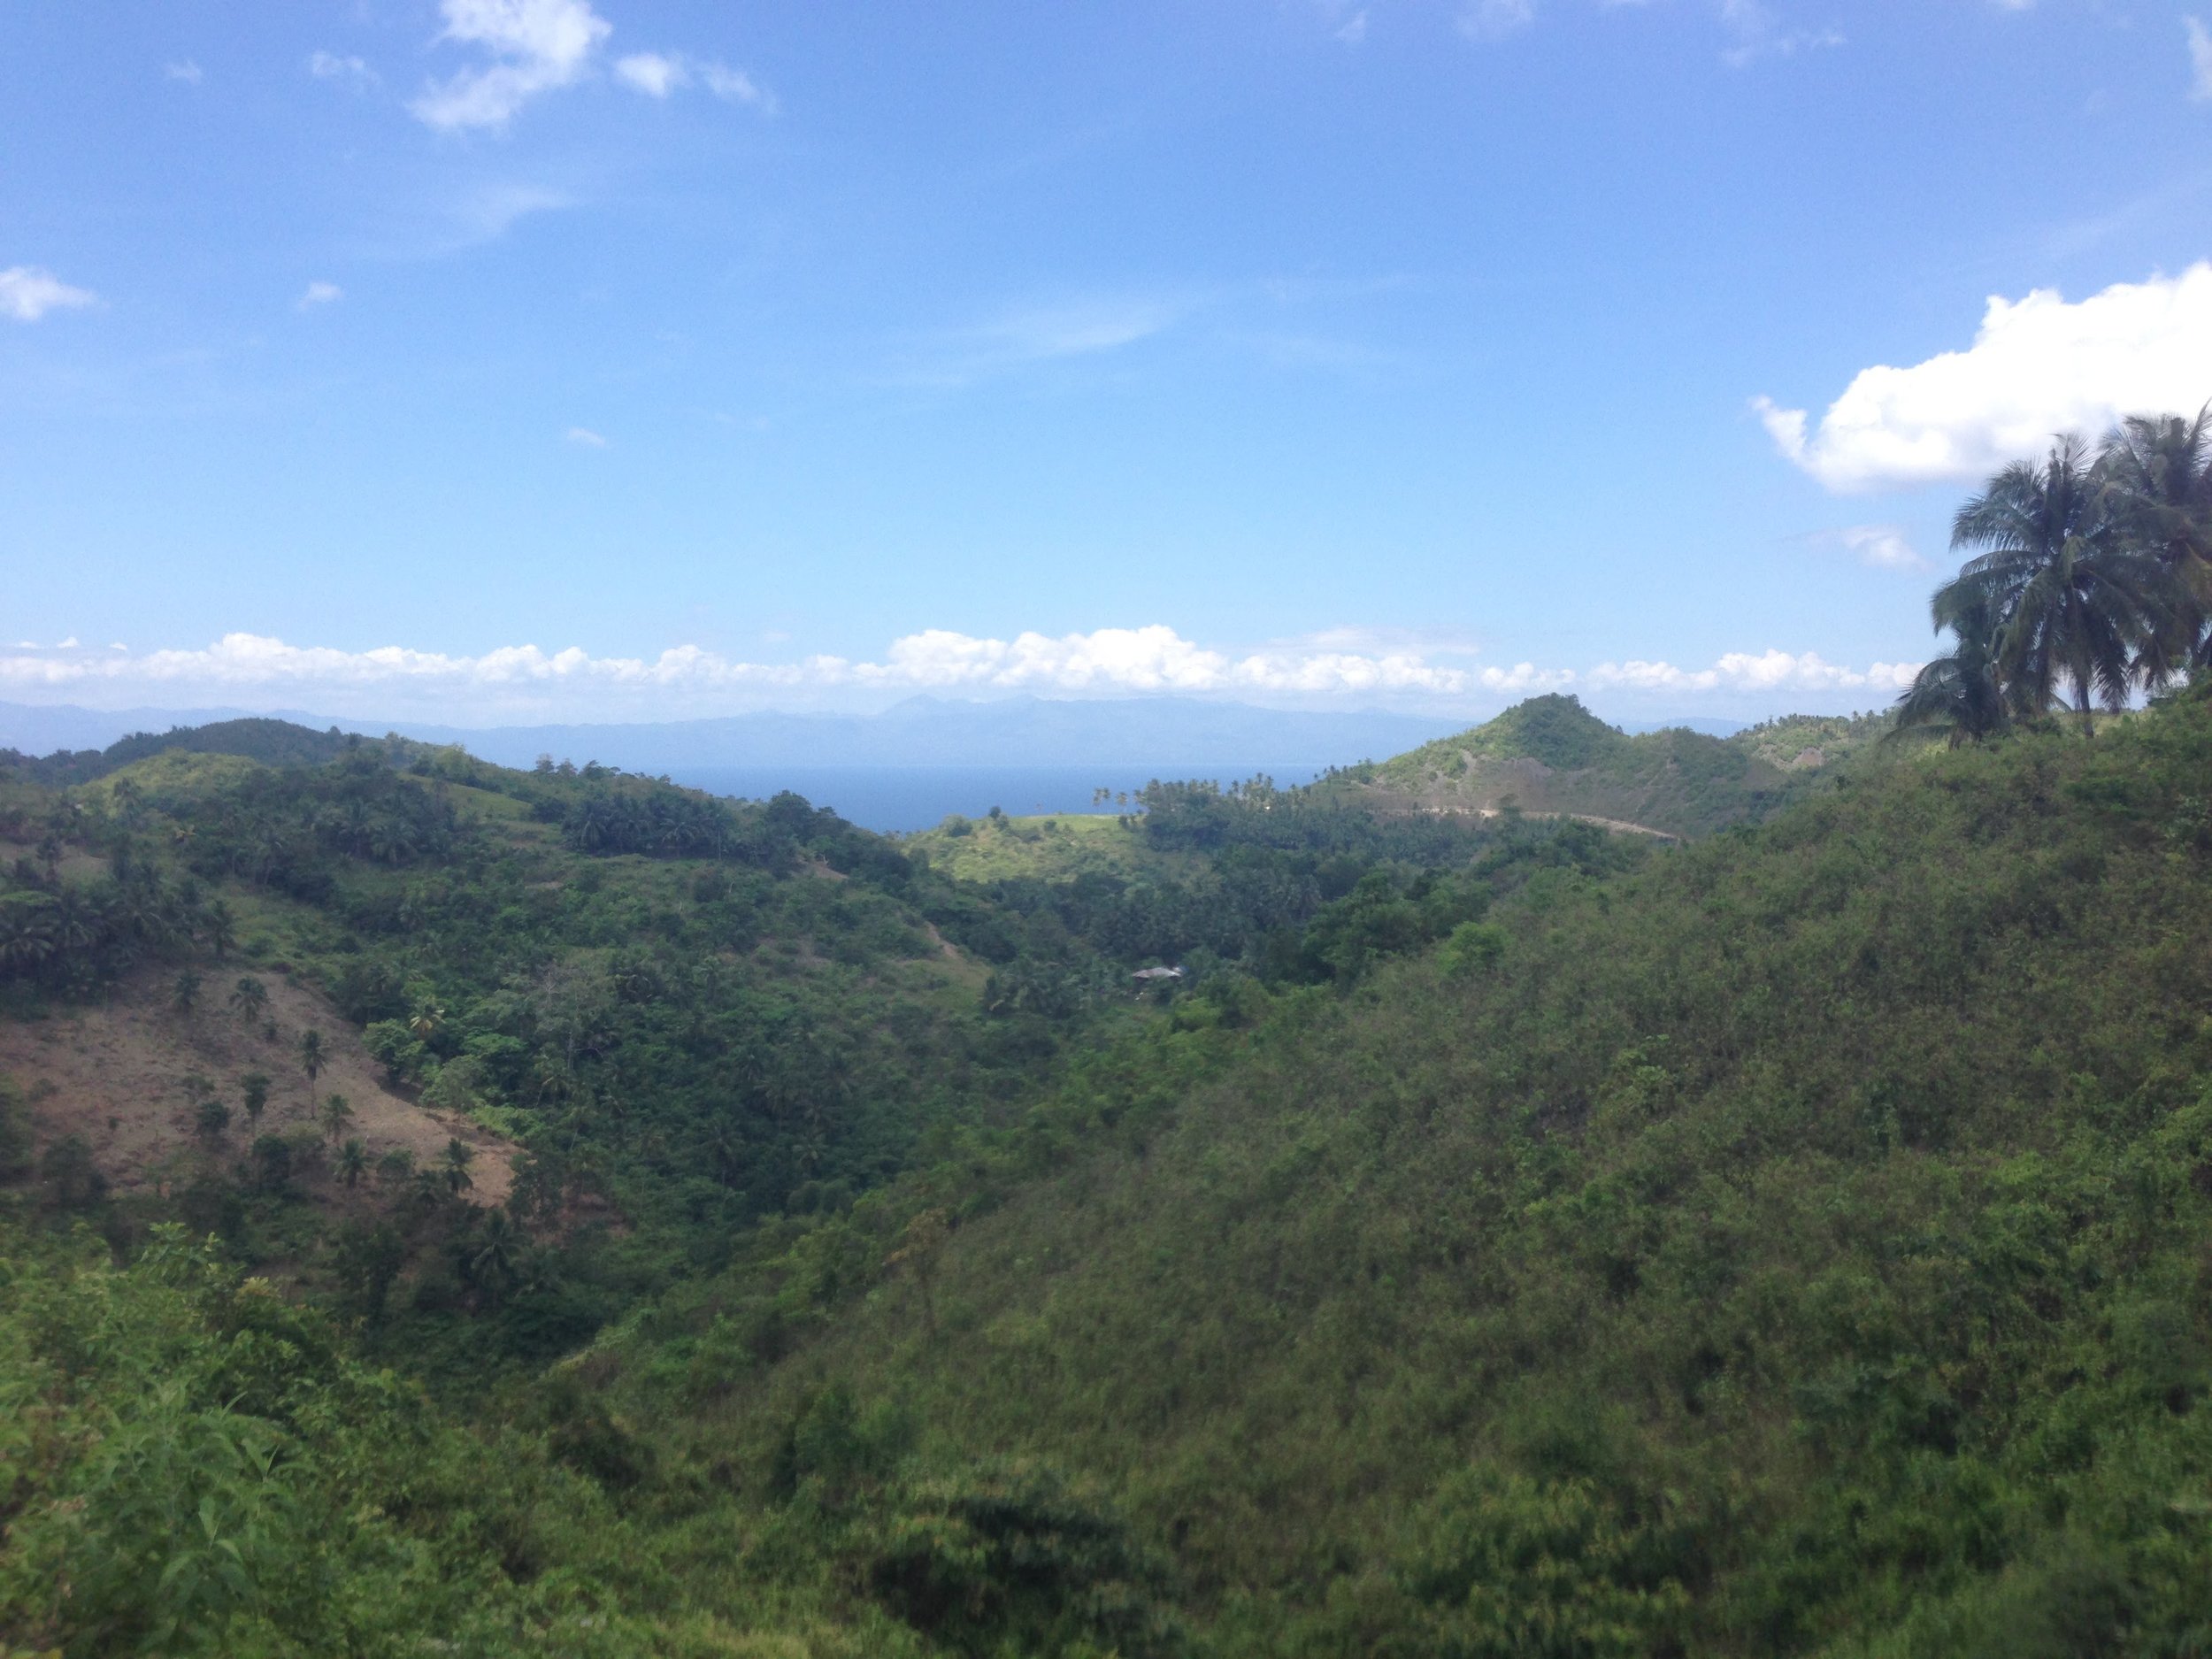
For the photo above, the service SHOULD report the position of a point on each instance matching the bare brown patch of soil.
(114, 1073)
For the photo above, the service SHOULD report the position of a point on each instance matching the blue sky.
(484, 359)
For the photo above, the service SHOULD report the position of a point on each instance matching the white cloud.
(2200, 57)
(1146, 659)
(653, 73)
(517, 680)
(1758, 34)
(1042, 334)
(734, 86)
(1495, 20)
(28, 294)
(186, 71)
(656, 74)
(585, 436)
(320, 294)
(329, 67)
(1741, 672)
(1077, 330)
(2039, 365)
(1883, 546)
(535, 46)
(1751, 25)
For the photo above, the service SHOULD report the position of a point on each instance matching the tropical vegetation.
(1502, 1235)
(2090, 581)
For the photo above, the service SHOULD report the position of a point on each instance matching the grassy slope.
(1823, 1210)
(1058, 848)
(1550, 755)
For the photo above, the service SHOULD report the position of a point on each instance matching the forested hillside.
(1792, 1244)
(1550, 756)
(1505, 1238)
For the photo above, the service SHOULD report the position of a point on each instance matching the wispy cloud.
(586, 437)
(734, 86)
(352, 72)
(491, 211)
(2038, 365)
(1495, 19)
(658, 75)
(1759, 33)
(27, 293)
(184, 69)
(319, 294)
(1041, 333)
(2200, 57)
(1884, 546)
(1752, 26)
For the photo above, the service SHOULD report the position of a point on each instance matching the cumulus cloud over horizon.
(2039, 365)
(689, 680)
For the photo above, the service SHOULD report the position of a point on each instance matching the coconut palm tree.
(219, 927)
(248, 999)
(314, 1055)
(1959, 691)
(28, 931)
(496, 1253)
(353, 1161)
(2075, 599)
(455, 1166)
(254, 1088)
(336, 1113)
(2161, 465)
(185, 991)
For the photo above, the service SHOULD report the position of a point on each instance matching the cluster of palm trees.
(73, 936)
(660, 823)
(2090, 581)
(274, 827)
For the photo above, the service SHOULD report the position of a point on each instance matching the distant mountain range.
(1015, 732)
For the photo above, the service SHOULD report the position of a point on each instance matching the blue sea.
(902, 799)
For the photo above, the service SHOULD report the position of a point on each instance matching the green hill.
(1794, 1244)
(1551, 755)
(1506, 1239)
(273, 742)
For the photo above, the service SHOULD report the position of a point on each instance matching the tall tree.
(255, 1088)
(455, 1168)
(494, 1255)
(1960, 691)
(248, 999)
(2077, 602)
(314, 1055)
(2162, 466)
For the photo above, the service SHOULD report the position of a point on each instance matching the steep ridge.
(1795, 1244)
